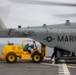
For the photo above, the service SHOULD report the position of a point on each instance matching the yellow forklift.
(11, 52)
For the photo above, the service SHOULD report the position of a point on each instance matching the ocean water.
(48, 52)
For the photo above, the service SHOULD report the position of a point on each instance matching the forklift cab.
(27, 47)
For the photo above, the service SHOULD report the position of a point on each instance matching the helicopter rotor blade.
(66, 15)
(43, 3)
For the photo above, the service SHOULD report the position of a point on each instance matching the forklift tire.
(37, 57)
(11, 57)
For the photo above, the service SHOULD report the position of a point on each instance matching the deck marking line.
(63, 69)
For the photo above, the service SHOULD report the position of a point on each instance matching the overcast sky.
(14, 14)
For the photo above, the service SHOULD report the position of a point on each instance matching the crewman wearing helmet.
(26, 48)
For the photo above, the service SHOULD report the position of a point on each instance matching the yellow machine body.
(14, 51)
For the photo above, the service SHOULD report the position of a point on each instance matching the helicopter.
(61, 37)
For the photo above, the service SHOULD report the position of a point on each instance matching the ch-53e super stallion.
(61, 37)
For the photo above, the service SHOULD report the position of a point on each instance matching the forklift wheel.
(37, 57)
(11, 57)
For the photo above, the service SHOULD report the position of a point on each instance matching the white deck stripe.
(57, 65)
(49, 64)
(63, 70)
